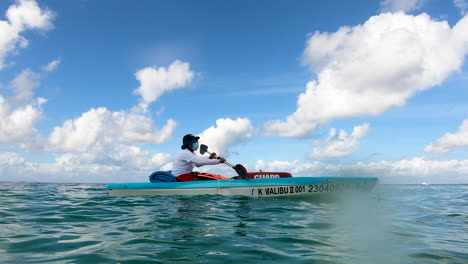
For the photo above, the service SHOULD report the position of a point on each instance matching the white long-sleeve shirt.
(186, 160)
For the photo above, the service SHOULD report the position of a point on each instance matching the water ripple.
(78, 223)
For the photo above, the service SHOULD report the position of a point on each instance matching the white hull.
(295, 187)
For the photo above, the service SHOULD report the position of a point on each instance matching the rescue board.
(273, 186)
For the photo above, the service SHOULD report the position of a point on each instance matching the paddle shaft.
(241, 171)
(225, 161)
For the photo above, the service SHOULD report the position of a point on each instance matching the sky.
(104, 91)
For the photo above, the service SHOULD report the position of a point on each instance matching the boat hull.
(273, 187)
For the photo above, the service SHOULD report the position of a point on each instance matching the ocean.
(79, 223)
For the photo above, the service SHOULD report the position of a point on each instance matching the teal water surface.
(78, 223)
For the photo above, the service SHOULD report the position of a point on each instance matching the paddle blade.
(241, 171)
(203, 149)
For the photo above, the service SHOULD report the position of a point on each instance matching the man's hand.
(213, 156)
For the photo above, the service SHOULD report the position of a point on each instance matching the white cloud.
(25, 14)
(401, 5)
(154, 82)
(121, 164)
(227, 132)
(100, 127)
(23, 86)
(339, 144)
(136, 158)
(369, 68)
(416, 170)
(449, 141)
(119, 157)
(28, 14)
(462, 5)
(16, 125)
(277, 165)
(129, 163)
(51, 66)
(11, 159)
(20, 112)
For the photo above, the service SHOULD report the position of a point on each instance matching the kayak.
(273, 185)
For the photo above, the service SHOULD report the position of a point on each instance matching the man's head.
(190, 141)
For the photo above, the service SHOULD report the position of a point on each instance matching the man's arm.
(200, 161)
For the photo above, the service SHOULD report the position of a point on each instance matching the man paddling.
(186, 160)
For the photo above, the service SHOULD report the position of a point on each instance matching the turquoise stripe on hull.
(242, 183)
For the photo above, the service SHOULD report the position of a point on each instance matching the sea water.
(79, 223)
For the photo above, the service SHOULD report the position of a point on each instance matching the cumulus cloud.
(370, 68)
(20, 112)
(119, 157)
(401, 5)
(462, 5)
(129, 163)
(11, 159)
(227, 132)
(122, 163)
(338, 144)
(278, 166)
(136, 158)
(28, 14)
(100, 127)
(23, 86)
(154, 82)
(25, 14)
(17, 124)
(51, 66)
(416, 170)
(103, 141)
(450, 141)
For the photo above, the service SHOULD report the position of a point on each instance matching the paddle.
(241, 171)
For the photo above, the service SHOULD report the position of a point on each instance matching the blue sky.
(103, 91)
